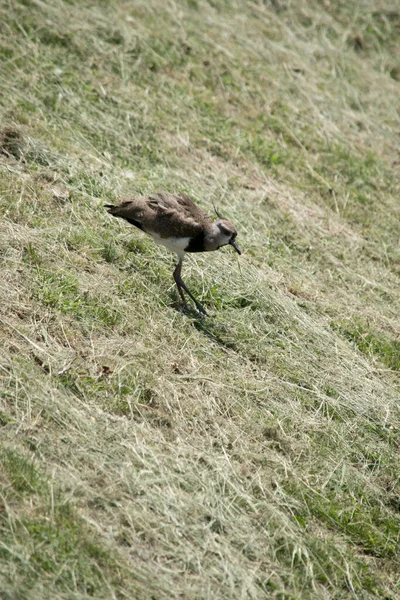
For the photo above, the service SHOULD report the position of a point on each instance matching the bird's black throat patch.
(196, 244)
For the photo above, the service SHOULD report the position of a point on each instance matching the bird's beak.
(234, 244)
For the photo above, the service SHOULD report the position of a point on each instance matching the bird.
(176, 222)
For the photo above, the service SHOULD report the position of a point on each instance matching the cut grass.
(149, 453)
(373, 344)
(46, 547)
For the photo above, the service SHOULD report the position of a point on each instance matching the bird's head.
(226, 234)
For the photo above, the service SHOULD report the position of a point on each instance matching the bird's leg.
(180, 284)
(177, 277)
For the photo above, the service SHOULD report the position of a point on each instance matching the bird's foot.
(201, 309)
(181, 288)
(186, 307)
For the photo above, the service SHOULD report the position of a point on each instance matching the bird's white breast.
(174, 244)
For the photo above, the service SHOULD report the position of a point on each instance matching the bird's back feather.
(168, 215)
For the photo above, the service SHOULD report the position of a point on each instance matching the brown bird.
(174, 221)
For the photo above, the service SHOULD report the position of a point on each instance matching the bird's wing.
(131, 209)
(166, 214)
(191, 209)
(162, 201)
(176, 216)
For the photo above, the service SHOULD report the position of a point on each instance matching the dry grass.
(146, 453)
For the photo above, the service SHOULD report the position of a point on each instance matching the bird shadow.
(207, 324)
(218, 332)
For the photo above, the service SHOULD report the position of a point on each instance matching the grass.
(145, 452)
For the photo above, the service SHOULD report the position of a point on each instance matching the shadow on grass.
(217, 332)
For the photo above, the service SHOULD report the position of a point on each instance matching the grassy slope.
(146, 453)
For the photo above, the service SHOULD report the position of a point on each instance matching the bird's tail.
(110, 208)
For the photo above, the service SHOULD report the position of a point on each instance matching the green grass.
(146, 452)
(48, 546)
(374, 344)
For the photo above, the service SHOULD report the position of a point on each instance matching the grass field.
(147, 453)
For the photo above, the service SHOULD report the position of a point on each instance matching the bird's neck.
(212, 237)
